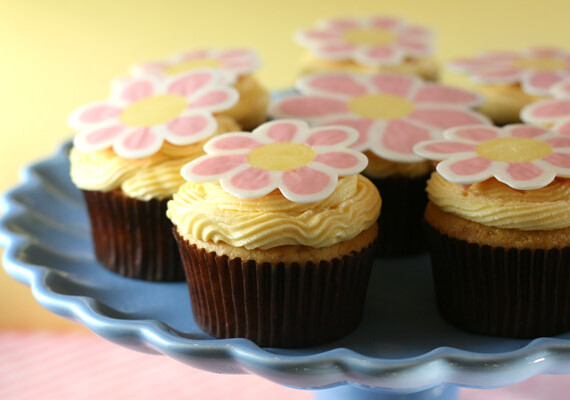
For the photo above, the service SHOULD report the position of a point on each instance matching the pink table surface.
(76, 366)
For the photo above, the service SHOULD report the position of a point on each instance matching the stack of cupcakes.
(130, 148)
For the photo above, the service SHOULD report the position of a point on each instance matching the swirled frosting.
(251, 108)
(154, 177)
(493, 203)
(207, 213)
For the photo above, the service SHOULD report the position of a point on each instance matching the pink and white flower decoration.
(536, 69)
(553, 113)
(391, 112)
(231, 62)
(141, 113)
(303, 163)
(370, 41)
(522, 156)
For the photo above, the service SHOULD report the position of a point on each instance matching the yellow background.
(57, 55)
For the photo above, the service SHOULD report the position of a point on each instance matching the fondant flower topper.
(521, 156)
(304, 164)
(231, 62)
(391, 112)
(141, 113)
(536, 69)
(370, 41)
(551, 113)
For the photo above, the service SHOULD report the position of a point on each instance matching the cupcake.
(511, 80)
(552, 113)
(368, 44)
(391, 113)
(127, 157)
(237, 66)
(498, 223)
(277, 248)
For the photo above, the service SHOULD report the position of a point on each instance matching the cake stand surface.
(401, 350)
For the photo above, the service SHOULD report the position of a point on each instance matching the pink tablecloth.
(75, 366)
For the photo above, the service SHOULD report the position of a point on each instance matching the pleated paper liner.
(400, 227)
(519, 293)
(132, 237)
(276, 305)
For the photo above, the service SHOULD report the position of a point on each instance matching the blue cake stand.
(402, 348)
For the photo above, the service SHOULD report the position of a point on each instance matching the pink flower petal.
(103, 135)
(477, 134)
(445, 95)
(215, 100)
(136, 89)
(401, 136)
(550, 52)
(398, 85)
(336, 84)
(385, 22)
(527, 131)
(318, 35)
(335, 50)
(139, 140)
(217, 165)
(234, 142)
(251, 179)
(445, 118)
(305, 181)
(501, 74)
(550, 109)
(311, 106)
(361, 125)
(415, 31)
(445, 147)
(94, 114)
(327, 137)
(380, 54)
(337, 159)
(188, 126)
(470, 166)
(561, 160)
(237, 53)
(241, 65)
(563, 128)
(195, 55)
(283, 132)
(523, 171)
(342, 23)
(191, 82)
(414, 46)
(540, 82)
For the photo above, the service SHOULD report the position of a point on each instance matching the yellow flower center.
(281, 156)
(540, 64)
(381, 106)
(153, 110)
(191, 65)
(367, 36)
(513, 149)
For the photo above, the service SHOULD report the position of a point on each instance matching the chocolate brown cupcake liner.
(400, 226)
(276, 305)
(520, 293)
(132, 237)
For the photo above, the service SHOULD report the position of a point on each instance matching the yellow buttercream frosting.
(381, 168)
(251, 108)
(426, 68)
(493, 203)
(207, 213)
(504, 102)
(154, 177)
